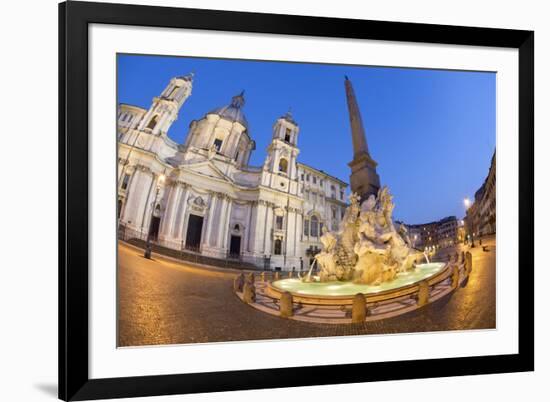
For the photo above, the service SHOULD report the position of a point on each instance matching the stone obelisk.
(363, 179)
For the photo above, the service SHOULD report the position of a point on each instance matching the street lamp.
(147, 253)
(467, 202)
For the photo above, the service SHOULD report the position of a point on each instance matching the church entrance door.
(194, 231)
(154, 228)
(235, 246)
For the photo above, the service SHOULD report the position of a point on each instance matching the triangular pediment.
(206, 169)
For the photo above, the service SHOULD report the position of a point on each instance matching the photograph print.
(264, 200)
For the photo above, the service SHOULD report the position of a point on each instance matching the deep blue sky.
(432, 132)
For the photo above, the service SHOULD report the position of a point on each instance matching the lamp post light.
(147, 253)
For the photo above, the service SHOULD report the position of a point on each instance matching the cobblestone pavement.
(165, 302)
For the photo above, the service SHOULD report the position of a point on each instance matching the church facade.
(204, 196)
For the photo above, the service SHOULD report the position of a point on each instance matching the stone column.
(182, 209)
(252, 227)
(246, 229)
(225, 227)
(137, 197)
(269, 216)
(168, 221)
(220, 220)
(211, 219)
(217, 218)
(298, 232)
(146, 217)
(259, 228)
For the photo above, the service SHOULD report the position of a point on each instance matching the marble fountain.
(367, 255)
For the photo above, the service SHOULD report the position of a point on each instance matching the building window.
(152, 122)
(307, 177)
(173, 92)
(321, 182)
(302, 177)
(125, 181)
(333, 192)
(218, 144)
(283, 165)
(341, 195)
(278, 247)
(314, 180)
(333, 213)
(279, 222)
(314, 226)
(306, 227)
(287, 135)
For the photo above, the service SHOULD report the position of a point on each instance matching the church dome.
(233, 112)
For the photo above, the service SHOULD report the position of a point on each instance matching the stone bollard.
(423, 293)
(290, 273)
(455, 278)
(250, 277)
(359, 309)
(276, 276)
(238, 283)
(287, 305)
(249, 292)
(262, 276)
(468, 263)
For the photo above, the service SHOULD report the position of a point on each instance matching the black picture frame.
(74, 19)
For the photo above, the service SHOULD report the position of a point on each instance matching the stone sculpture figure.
(405, 235)
(367, 248)
(327, 257)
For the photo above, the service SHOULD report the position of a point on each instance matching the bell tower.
(283, 150)
(280, 168)
(165, 108)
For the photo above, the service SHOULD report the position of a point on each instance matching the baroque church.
(203, 196)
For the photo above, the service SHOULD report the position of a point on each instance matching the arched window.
(314, 227)
(153, 122)
(173, 92)
(277, 250)
(283, 165)
(287, 135)
(218, 144)
(306, 227)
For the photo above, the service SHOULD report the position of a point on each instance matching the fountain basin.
(342, 293)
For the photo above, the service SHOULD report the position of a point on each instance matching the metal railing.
(194, 254)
